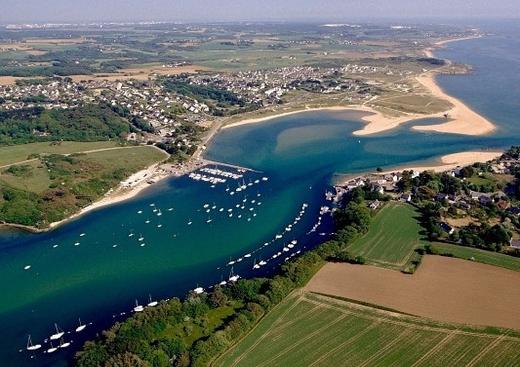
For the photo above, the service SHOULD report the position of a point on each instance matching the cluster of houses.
(388, 184)
(166, 112)
(266, 87)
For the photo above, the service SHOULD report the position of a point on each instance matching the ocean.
(97, 266)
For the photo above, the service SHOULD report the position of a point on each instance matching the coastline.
(442, 164)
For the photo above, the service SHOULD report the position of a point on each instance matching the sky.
(17, 11)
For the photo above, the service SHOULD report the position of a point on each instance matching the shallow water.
(95, 280)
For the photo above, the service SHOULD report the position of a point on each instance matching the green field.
(482, 256)
(314, 330)
(18, 153)
(392, 237)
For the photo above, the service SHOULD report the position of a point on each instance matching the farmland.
(393, 235)
(314, 330)
(443, 288)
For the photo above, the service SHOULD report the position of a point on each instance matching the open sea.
(165, 241)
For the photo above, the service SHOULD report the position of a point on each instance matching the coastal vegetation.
(51, 187)
(88, 123)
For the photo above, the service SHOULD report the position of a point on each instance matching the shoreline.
(442, 164)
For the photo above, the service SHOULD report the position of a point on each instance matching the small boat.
(138, 307)
(221, 210)
(76, 244)
(82, 234)
(232, 193)
(205, 206)
(189, 222)
(255, 265)
(231, 262)
(140, 212)
(152, 204)
(159, 213)
(51, 349)
(198, 290)
(170, 209)
(64, 344)
(26, 267)
(31, 346)
(262, 263)
(286, 249)
(249, 219)
(265, 178)
(143, 244)
(278, 236)
(159, 225)
(214, 206)
(54, 246)
(232, 276)
(230, 215)
(81, 326)
(59, 333)
(247, 255)
(209, 220)
(141, 238)
(223, 282)
(239, 216)
(131, 234)
(150, 302)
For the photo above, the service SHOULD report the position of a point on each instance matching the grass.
(35, 180)
(392, 237)
(316, 330)
(482, 256)
(18, 153)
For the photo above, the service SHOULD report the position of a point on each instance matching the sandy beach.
(454, 160)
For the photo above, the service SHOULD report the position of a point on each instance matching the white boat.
(146, 221)
(232, 193)
(223, 282)
(51, 349)
(206, 206)
(76, 244)
(285, 249)
(278, 236)
(150, 302)
(262, 263)
(141, 238)
(159, 213)
(138, 307)
(232, 277)
(294, 242)
(26, 267)
(152, 204)
(170, 209)
(140, 212)
(255, 265)
(249, 219)
(265, 178)
(190, 222)
(81, 326)
(59, 333)
(64, 344)
(221, 210)
(159, 225)
(82, 234)
(198, 290)
(31, 346)
(130, 234)
(247, 255)
(54, 246)
(209, 220)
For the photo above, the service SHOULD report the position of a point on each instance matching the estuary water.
(165, 242)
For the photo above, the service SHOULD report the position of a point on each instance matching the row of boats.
(56, 341)
(219, 172)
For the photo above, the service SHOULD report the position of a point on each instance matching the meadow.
(474, 254)
(392, 237)
(22, 152)
(308, 329)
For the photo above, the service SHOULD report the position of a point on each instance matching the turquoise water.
(298, 154)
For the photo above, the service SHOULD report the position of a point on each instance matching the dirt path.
(444, 289)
